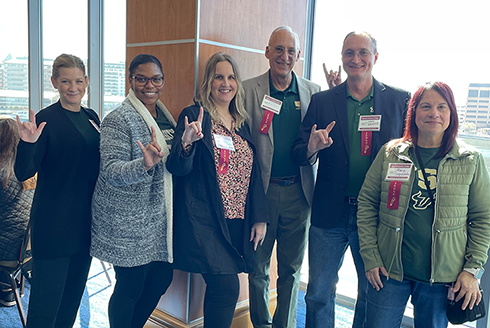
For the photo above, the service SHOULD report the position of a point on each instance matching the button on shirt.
(359, 164)
(285, 129)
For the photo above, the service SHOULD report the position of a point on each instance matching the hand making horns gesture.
(319, 139)
(152, 153)
(333, 78)
(193, 131)
(29, 131)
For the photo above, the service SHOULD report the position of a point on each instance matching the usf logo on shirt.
(420, 196)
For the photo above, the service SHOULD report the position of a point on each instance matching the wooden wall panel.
(178, 66)
(250, 64)
(246, 24)
(160, 20)
(175, 299)
(249, 23)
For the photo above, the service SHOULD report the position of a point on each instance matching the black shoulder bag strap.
(427, 184)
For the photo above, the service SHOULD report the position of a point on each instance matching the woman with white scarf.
(132, 203)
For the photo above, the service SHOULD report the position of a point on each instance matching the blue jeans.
(326, 253)
(386, 307)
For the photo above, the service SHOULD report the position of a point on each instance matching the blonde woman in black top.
(61, 144)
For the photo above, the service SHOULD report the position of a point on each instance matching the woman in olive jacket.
(424, 217)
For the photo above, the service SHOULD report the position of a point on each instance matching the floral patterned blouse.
(234, 183)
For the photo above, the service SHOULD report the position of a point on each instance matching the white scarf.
(167, 176)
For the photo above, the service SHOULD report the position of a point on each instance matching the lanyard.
(427, 184)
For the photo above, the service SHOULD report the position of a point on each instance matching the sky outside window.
(418, 41)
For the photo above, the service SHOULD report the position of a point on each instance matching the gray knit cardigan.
(131, 212)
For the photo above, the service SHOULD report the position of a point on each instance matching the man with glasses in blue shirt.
(276, 102)
(343, 129)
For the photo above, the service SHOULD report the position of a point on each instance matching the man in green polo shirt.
(344, 129)
(276, 102)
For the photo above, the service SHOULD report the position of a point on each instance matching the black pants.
(57, 287)
(137, 292)
(220, 299)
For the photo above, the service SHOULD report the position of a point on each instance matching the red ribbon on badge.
(394, 195)
(366, 139)
(224, 160)
(266, 122)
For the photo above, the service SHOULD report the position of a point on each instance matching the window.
(14, 78)
(473, 93)
(407, 43)
(63, 32)
(484, 94)
(114, 55)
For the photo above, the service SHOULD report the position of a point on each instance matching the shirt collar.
(369, 96)
(293, 86)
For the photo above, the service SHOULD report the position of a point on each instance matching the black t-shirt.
(417, 233)
(166, 127)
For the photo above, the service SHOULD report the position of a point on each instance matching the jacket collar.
(459, 149)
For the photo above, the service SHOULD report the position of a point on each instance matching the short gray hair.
(290, 30)
(373, 40)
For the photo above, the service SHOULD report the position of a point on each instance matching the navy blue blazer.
(333, 168)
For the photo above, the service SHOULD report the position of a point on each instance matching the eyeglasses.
(143, 80)
(361, 53)
(280, 50)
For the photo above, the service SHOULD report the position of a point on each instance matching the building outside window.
(58, 39)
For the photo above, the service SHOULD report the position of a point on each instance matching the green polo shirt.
(359, 164)
(286, 126)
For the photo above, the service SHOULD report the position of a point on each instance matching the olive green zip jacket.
(461, 226)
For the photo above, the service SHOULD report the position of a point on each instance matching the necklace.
(226, 120)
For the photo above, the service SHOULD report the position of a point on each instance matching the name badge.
(271, 104)
(369, 123)
(94, 125)
(223, 142)
(399, 171)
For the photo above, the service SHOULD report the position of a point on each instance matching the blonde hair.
(67, 61)
(9, 139)
(237, 107)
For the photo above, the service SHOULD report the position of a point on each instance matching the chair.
(15, 270)
(106, 272)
